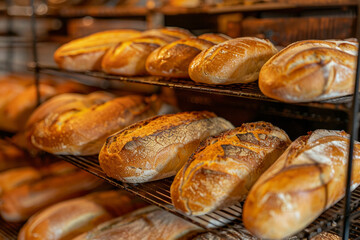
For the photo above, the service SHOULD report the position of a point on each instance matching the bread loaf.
(172, 60)
(20, 203)
(146, 224)
(83, 130)
(12, 178)
(310, 70)
(128, 58)
(223, 168)
(308, 178)
(158, 147)
(86, 53)
(235, 61)
(68, 219)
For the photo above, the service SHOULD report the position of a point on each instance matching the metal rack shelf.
(228, 220)
(248, 90)
(9, 231)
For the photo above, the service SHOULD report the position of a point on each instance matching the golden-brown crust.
(83, 131)
(15, 177)
(237, 60)
(326, 236)
(86, 53)
(310, 70)
(223, 168)
(157, 148)
(71, 218)
(172, 60)
(128, 58)
(306, 179)
(20, 203)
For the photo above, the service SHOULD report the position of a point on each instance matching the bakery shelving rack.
(226, 221)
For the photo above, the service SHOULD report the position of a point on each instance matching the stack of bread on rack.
(137, 139)
(216, 59)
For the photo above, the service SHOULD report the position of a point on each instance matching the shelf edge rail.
(353, 129)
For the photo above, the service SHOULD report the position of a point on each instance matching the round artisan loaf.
(222, 170)
(84, 129)
(173, 59)
(235, 61)
(307, 178)
(86, 53)
(148, 223)
(158, 147)
(310, 70)
(68, 219)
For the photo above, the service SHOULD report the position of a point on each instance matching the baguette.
(172, 60)
(157, 148)
(308, 178)
(86, 53)
(68, 219)
(310, 70)
(20, 203)
(146, 224)
(83, 131)
(222, 170)
(235, 61)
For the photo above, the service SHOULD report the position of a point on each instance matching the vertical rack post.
(34, 50)
(9, 33)
(353, 129)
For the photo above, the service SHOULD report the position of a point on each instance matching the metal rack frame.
(346, 215)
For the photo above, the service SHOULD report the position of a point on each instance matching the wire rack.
(9, 231)
(246, 90)
(226, 221)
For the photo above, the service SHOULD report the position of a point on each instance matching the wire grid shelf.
(9, 231)
(245, 90)
(226, 221)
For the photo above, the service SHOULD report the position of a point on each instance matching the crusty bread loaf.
(20, 203)
(149, 223)
(158, 147)
(83, 130)
(310, 70)
(222, 170)
(308, 178)
(173, 59)
(12, 178)
(169, 34)
(235, 61)
(128, 58)
(14, 115)
(86, 53)
(68, 219)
